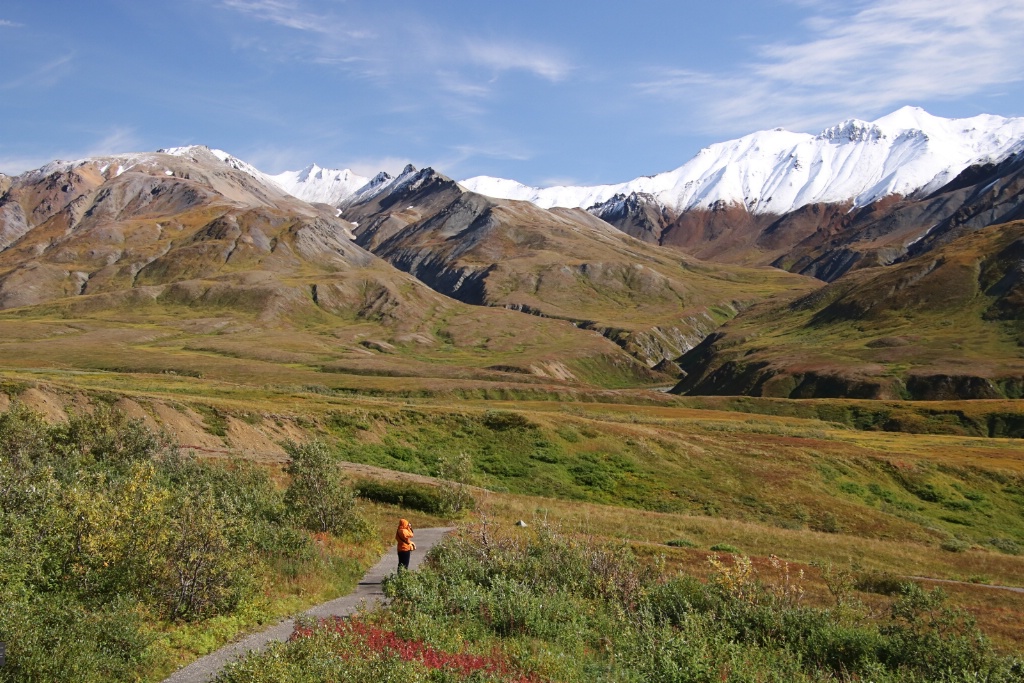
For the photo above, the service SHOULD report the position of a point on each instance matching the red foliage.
(388, 642)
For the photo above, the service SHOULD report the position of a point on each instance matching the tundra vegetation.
(537, 605)
(105, 519)
(118, 553)
(715, 536)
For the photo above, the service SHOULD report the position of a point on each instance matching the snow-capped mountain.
(777, 171)
(323, 185)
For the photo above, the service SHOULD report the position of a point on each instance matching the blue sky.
(544, 92)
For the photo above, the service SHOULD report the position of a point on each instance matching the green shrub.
(454, 471)
(881, 583)
(317, 497)
(1006, 545)
(681, 543)
(422, 497)
(53, 637)
(502, 420)
(828, 523)
(954, 545)
(216, 422)
(105, 529)
(724, 548)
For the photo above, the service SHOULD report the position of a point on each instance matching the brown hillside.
(946, 324)
(562, 263)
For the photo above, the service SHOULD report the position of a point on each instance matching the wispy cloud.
(431, 61)
(10, 24)
(883, 54)
(117, 141)
(292, 14)
(428, 74)
(506, 56)
(460, 157)
(13, 163)
(310, 36)
(44, 75)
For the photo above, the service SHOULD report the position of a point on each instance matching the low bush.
(881, 583)
(724, 548)
(109, 535)
(420, 497)
(1006, 545)
(445, 500)
(681, 543)
(954, 545)
(552, 607)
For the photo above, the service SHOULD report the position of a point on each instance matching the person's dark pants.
(403, 558)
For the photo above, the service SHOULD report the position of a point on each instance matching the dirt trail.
(1014, 589)
(368, 591)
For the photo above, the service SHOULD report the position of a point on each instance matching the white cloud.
(10, 24)
(277, 159)
(454, 83)
(558, 181)
(462, 156)
(506, 56)
(884, 54)
(315, 37)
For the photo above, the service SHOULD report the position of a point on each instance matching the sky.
(543, 91)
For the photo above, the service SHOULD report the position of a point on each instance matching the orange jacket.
(404, 536)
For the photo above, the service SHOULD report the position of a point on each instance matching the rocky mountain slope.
(560, 263)
(946, 324)
(195, 234)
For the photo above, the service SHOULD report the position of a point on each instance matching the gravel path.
(368, 591)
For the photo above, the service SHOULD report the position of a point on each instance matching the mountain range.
(745, 234)
(856, 195)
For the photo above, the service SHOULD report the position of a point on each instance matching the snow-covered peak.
(777, 171)
(853, 130)
(910, 118)
(323, 185)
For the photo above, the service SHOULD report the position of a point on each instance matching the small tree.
(204, 574)
(454, 471)
(317, 496)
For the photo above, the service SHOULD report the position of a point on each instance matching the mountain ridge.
(778, 171)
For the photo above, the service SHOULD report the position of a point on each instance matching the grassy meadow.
(847, 491)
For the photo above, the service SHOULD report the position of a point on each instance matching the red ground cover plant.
(386, 642)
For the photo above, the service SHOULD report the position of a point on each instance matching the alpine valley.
(606, 286)
(726, 422)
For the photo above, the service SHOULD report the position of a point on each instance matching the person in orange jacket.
(405, 545)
